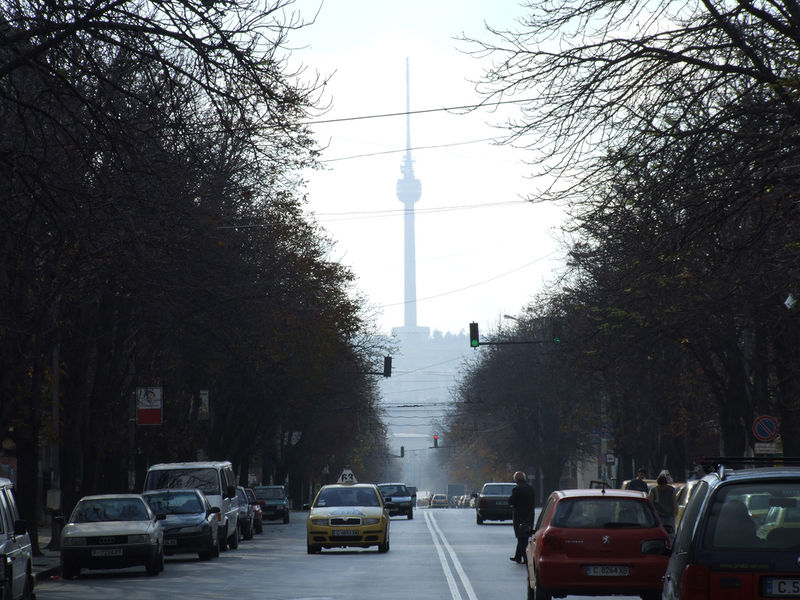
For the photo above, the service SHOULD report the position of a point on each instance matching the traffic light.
(473, 335)
(387, 366)
(402, 451)
(435, 440)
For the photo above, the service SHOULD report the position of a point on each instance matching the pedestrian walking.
(523, 505)
(639, 484)
(666, 502)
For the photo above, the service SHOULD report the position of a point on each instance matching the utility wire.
(417, 112)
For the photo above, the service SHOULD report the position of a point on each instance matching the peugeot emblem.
(606, 539)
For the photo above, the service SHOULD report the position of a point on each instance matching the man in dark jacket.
(523, 505)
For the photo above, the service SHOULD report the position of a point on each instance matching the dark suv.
(739, 536)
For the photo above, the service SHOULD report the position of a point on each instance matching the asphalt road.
(441, 554)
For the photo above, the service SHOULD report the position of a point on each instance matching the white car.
(112, 531)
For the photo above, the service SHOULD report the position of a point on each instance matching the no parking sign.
(765, 428)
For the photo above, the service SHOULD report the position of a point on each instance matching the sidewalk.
(47, 565)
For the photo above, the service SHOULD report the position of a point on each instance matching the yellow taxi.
(347, 514)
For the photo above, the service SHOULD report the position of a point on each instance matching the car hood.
(107, 528)
(345, 511)
(183, 520)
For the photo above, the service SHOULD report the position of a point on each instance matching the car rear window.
(754, 516)
(268, 493)
(393, 490)
(206, 480)
(497, 489)
(604, 513)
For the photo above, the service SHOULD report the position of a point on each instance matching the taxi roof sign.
(347, 476)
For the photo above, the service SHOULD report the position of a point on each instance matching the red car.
(597, 542)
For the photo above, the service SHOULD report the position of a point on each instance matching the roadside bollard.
(55, 531)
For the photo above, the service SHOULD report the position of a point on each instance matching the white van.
(16, 553)
(215, 479)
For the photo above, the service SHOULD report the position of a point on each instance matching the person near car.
(666, 502)
(639, 484)
(523, 505)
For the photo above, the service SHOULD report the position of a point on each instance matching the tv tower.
(409, 190)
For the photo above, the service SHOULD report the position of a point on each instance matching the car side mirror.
(306, 507)
(20, 527)
(213, 510)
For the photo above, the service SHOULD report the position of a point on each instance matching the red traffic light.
(435, 441)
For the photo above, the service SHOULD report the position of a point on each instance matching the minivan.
(215, 479)
(16, 552)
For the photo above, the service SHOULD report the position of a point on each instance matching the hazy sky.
(481, 251)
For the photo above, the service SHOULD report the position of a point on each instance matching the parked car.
(258, 515)
(350, 514)
(16, 552)
(438, 501)
(214, 478)
(274, 502)
(398, 499)
(246, 516)
(682, 498)
(191, 524)
(596, 542)
(720, 552)
(492, 502)
(112, 531)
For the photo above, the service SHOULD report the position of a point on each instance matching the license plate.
(782, 587)
(170, 542)
(501, 503)
(107, 552)
(607, 571)
(345, 532)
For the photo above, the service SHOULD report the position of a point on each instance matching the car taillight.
(694, 583)
(551, 543)
(219, 517)
(482, 503)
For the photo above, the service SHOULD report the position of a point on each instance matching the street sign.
(765, 448)
(765, 428)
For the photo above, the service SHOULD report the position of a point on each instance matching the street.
(441, 553)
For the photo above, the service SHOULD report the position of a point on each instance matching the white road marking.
(435, 531)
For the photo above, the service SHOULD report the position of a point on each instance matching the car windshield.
(174, 503)
(205, 480)
(347, 497)
(109, 509)
(498, 489)
(268, 493)
(754, 516)
(604, 513)
(393, 490)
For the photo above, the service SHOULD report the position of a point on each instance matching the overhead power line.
(419, 112)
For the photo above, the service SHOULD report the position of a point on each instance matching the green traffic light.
(474, 340)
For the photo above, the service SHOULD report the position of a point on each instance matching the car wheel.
(69, 569)
(259, 527)
(286, 517)
(222, 539)
(153, 567)
(478, 519)
(208, 552)
(250, 528)
(27, 591)
(233, 542)
(215, 547)
(410, 513)
(313, 549)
